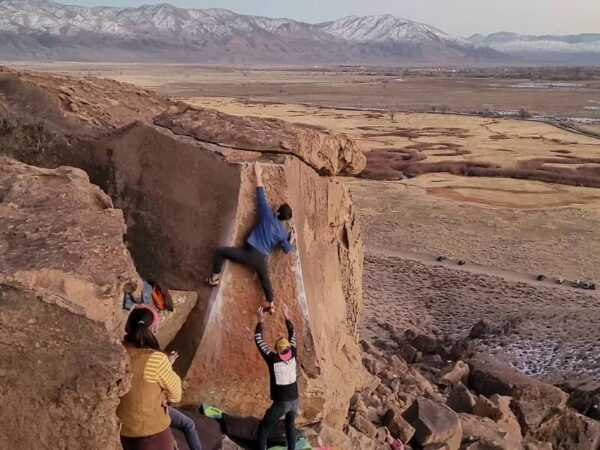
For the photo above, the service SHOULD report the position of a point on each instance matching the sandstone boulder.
(489, 378)
(171, 322)
(326, 152)
(567, 429)
(498, 409)
(63, 271)
(454, 374)
(182, 197)
(461, 400)
(483, 431)
(398, 426)
(434, 423)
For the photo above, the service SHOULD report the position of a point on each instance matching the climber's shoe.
(213, 280)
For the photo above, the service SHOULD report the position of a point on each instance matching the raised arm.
(290, 326)
(261, 197)
(258, 335)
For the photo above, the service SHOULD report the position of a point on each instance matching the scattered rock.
(407, 352)
(461, 400)
(457, 373)
(364, 425)
(398, 426)
(434, 423)
(489, 378)
(570, 430)
(483, 431)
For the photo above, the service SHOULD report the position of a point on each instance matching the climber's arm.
(261, 198)
(290, 327)
(258, 335)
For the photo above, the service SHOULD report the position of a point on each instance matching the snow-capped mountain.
(550, 48)
(47, 30)
(385, 28)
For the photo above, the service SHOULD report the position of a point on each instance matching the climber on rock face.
(282, 375)
(269, 234)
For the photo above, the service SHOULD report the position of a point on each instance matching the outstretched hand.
(173, 357)
(261, 314)
(286, 312)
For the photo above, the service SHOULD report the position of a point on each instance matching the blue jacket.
(270, 232)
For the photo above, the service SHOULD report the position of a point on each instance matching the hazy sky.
(461, 17)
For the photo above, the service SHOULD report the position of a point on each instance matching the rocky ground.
(436, 395)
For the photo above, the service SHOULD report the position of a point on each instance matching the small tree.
(392, 114)
(444, 109)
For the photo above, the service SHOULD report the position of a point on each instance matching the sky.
(459, 17)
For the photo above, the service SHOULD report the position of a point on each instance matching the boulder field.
(152, 189)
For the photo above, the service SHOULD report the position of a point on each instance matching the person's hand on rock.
(286, 312)
(173, 357)
(261, 314)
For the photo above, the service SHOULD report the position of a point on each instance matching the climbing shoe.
(213, 281)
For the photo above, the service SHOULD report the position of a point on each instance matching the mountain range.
(44, 30)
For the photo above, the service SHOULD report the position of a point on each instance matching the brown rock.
(569, 430)
(398, 426)
(361, 441)
(407, 352)
(462, 348)
(457, 373)
(489, 378)
(434, 423)
(483, 431)
(63, 271)
(364, 425)
(484, 328)
(529, 415)
(461, 400)
(172, 322)
(171, 215)
(497, 408)
(228, 444)
(327, 153)
(374, 364)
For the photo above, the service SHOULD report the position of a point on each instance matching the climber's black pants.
(250, 257)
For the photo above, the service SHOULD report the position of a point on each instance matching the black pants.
(273, 414)
(250, 257)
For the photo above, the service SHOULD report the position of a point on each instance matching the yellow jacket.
(141, 410)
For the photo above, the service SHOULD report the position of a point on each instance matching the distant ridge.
(578, 48)
(40, 29)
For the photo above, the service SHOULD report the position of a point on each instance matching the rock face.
(326, 152)
(63, 271)
(185, 187)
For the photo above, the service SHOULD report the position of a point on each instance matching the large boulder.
(63, 271)
(566, 429)
(326, 152)
(434, 423)
(489, 378)
(185, 186)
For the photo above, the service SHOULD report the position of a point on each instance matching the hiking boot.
(213, 281)
(270, 308)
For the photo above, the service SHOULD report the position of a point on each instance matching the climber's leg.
(262, 269)
(236, 254)
(271, 417)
